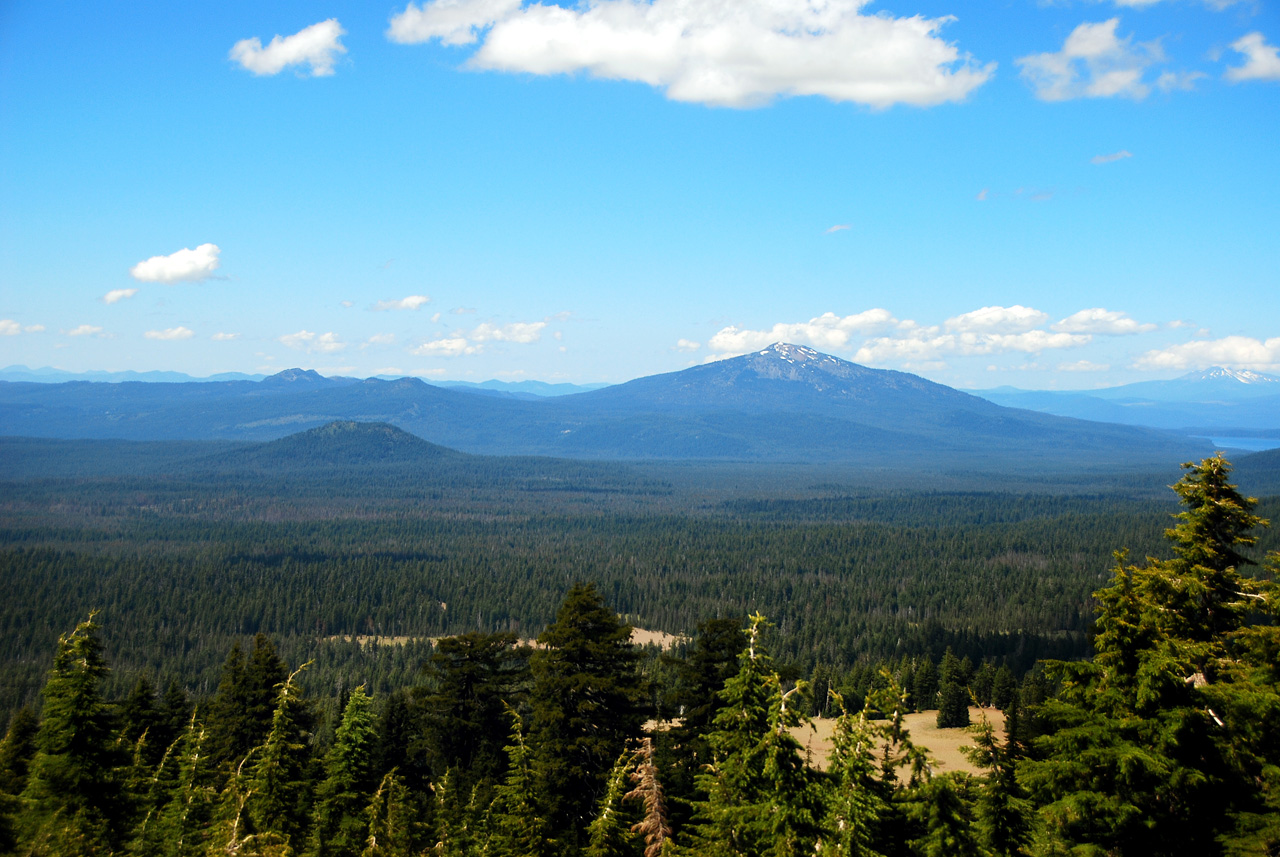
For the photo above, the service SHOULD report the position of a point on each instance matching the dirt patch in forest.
(922, 727)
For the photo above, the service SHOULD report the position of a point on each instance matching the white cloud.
(839, 227)
(317, 46)
(930, 343)
(1241, 352)
(381, 339)
(170, 333)
(998, 319)
(1083, 366)
(462, 310)
(732, 53)
(225, 337)
(34, 328)
(521, 332)
(411, 302)
(1262, 61)
(1103, 321)
(116, 295)
(315, 343)
(982, 195)
(1111, 158)
(1170, 81)
(686, 345)
(1093, 63)
(9, 327)
(84, 330)
(453, 347)
(185, 265)
(828, 331)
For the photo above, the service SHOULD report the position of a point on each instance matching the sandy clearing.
(943, 744)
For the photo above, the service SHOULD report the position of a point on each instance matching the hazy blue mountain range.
(1216, 402)
(784, 403)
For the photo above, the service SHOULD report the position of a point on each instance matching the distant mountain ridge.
(782, 403)
(1215, 401)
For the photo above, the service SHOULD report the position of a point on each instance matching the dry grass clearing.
(943, 744)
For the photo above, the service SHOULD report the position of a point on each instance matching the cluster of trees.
(1166, 741)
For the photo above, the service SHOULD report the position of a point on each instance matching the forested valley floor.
(303, 668)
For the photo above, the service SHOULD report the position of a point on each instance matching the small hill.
(340, 445)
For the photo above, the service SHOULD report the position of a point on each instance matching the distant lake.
(1253, 444)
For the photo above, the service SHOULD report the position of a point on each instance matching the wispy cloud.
(700, 52)
(1101, 321)
(225, 337)
(170, 334)
(1093, 63)
(1111, 158)
(412, 302)
(839, 227)
(1262, 60)
(84, 330)
(9, 327)
(117, 295)
(451, 347)
(316, 47)
(185, 265)
(314, 343)
(686, 345)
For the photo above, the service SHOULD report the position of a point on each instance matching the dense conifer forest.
(1141, 718)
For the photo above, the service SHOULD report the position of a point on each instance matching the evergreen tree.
(761, 796)
(924, 691)
(17, 750)
(75, 787)
(518, 827)
(609, 835)
(1003, 811)
(953, 696)
(341, 826)
(1004, 688)
(241, 713)
(278, 797)
(1141, 753)
(586, 700)
(855, 803)
(469, 679)
(391, 820)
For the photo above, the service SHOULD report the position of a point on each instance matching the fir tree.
(518, 827)
(609, 835)
(586, 703)
(75, 787)
(953, 696)
(854, 801)
(341, 827)
(391, 820)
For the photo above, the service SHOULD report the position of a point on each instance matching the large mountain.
(784, 403)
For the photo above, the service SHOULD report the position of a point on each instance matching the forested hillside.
(1165, 741)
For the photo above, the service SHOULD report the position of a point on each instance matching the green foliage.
(75, 786)
(761, 796)
(953, 695)
(340, 827)
(586, 702)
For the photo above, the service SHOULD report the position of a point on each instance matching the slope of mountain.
(784, 403)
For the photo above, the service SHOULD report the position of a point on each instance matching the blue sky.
(1066, 194)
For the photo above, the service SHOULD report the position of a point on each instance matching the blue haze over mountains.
(785, 403)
